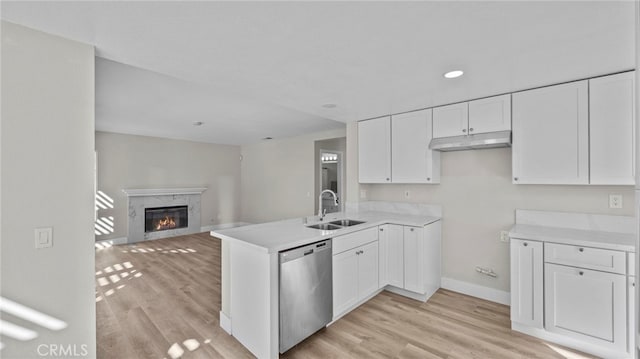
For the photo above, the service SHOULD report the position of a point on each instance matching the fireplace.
(165, 218)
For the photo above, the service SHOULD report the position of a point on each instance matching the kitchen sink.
(346, 222)
(325, 226)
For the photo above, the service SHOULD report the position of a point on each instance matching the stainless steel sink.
(325, 226)
(346, 222)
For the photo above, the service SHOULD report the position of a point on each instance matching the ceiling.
(254, 69)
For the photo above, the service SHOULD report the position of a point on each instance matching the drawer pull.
(581, 273)
(581, 249)
(525, 244)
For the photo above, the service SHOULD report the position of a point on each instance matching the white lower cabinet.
(527, 282)
(578, 296)
(410, 257)
(631, 313)
(414, 259)
(406, 258)
(587, 305)
(390, 239)
(355, 276)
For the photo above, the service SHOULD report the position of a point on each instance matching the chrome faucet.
(322, 212)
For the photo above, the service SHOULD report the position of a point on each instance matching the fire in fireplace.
(164, 218)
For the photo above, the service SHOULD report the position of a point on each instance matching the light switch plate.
(44, 237)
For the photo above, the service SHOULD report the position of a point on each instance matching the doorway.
(330, 173)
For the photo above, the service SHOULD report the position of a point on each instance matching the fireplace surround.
(168, 211)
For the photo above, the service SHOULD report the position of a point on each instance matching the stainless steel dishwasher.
(306, 292)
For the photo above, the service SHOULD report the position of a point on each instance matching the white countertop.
(277, 236)
(579, 237)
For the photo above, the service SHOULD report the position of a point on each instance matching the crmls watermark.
(63, 350)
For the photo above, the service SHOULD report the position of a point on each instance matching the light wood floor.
(161, 298)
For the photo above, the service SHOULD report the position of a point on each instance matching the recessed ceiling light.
(453, 74)
(329, 105)
(198, 123)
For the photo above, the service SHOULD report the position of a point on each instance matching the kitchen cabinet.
(612, 129)
(410, 257)
(490, 114)
(631, 312)
(586, 304)
(527, 282)
(414, 248)
(396, 149)
(374, 150)
(451, 120)
(468, 118)
(551, 135)
(355, 275)
(391, 243)
(412, 160)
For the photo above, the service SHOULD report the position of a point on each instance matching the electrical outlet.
(504, 236)
(407, 194)
(363, 193)
(615, 201)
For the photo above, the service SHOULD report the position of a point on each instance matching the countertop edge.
(343, 231)
(569, 236)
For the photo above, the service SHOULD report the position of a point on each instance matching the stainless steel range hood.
(472, 142)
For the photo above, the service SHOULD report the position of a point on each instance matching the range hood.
(472, 142)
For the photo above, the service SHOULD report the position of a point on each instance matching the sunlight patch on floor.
(566, 353)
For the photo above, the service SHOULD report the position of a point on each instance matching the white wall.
(128, 161)
(47, 166)
(279, 177)
(478, 201)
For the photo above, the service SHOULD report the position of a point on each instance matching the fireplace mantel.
(163, 191)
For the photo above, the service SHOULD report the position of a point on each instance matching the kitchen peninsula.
(396, 248)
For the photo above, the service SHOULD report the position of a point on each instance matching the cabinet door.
(451, 120)
(412, 160)
(612, 130)
(631, 312)
(490, 114)
(551, 135)
(587, 305)
(395, 255)
(383, 254)
(414, 254)
(526, 282)
(367, 270)
(345, 281)
(374, 150)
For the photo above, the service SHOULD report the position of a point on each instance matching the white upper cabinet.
(612, 130)
(451, 120)
(490, 114)
(468, 118)
(412, 160)
(551, 135)
(374, 150)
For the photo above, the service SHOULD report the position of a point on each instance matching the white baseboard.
(113, 241)
(223, 226)
(225, 323)
(479, 291)
(568, 342)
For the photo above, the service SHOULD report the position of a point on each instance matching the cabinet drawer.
(353, 240)
(585, 257)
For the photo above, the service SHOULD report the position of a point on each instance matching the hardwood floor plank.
(162, 294)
